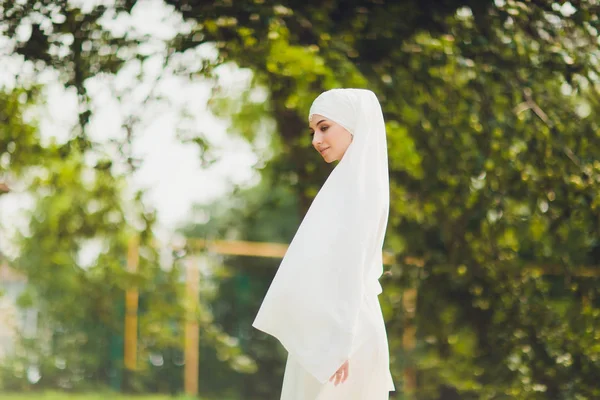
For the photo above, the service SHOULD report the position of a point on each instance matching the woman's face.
(331, 140)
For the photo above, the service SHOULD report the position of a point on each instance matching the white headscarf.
(314, 304)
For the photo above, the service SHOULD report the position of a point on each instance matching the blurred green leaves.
(493, 151)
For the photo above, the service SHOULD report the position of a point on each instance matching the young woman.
(322, 304)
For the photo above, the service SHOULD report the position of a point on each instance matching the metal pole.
(409, 341)
(131, 307)
(192, 330)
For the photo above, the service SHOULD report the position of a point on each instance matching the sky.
(171, 171)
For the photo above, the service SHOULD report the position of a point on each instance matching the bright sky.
(171, 171)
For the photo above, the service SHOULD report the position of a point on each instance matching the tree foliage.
(493, 145)
(73, 251)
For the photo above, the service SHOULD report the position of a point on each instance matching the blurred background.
(155, 160)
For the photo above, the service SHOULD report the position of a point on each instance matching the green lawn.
(99, 396)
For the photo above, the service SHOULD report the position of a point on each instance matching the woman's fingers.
(341, 375)
(346, 369)
(334, 376)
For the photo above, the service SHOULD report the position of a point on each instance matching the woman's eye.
(312, 133)
(324, 128)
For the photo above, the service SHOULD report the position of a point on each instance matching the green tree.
(82, 208)
(493, 158)
(493, 154)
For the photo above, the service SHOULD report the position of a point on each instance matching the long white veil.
(313, 306)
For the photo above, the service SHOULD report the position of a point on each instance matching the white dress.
(322, 304)
(369, 375)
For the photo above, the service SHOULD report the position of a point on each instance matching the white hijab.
(314, 304)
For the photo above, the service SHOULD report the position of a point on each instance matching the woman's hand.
(341, 375)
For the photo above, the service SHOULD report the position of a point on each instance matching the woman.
(322, 304)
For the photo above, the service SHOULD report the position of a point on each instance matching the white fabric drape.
(369, 367)
(313, 306)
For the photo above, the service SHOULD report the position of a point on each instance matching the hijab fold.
(314, 305)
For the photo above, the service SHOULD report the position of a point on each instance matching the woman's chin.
(328, 157)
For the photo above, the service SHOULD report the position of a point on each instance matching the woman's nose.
(317, 139)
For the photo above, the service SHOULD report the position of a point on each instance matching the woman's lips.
(324, 150)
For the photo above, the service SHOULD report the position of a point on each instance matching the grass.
(89, 396)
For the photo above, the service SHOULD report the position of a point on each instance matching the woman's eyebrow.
(311, 129)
